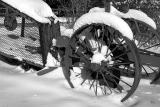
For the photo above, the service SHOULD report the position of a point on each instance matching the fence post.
(23, 27)
(47, 32)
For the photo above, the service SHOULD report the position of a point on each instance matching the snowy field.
(19, 89)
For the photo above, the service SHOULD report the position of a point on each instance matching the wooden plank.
(46, 70)
(16, 49)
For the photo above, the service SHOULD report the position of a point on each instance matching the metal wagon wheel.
(102, 53)
(148, 42)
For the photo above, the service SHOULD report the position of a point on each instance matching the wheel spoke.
(140, 40)
(92, 84)
(152, 46)
(114, 49)
(118, 86)
(96, 84)
(104, 90)
(152, 69)
(97, 34)
(124, 68)
(86, 45)
(86, 76)
(117, 77)
(73, 56)
(103, 33)
(146, 41)
(124, 63)
(108, 41)
(145, 71)
(83, 57)
(106, 82)
(83, 81)
(125, 53)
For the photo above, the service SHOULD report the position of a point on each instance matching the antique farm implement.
(109, 49)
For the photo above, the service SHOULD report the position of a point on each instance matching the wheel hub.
(97, 58)
(95, 67)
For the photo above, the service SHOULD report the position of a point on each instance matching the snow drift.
(51, 90)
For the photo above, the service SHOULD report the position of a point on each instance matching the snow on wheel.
(102, 53)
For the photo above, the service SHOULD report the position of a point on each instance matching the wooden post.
(22, 27)
(47, 33)
(107, 5)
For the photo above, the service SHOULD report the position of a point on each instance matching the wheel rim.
(147, 40)
(102, 64)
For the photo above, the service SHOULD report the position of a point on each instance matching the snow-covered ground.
(19, 89)
(51, 90)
